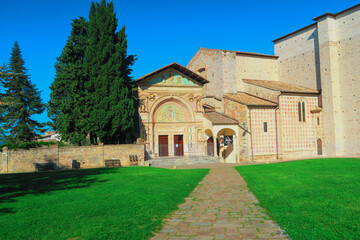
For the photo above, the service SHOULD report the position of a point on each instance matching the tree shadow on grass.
(21, 184)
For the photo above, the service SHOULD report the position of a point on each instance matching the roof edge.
(243, 53)
(179, 68)
(324, 15)
(271, 104)
(282, 91)
(336, 14)
(294, 32)
(333, 15)
(224, 115)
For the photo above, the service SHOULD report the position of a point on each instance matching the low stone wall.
(29, 160)
(1, 165)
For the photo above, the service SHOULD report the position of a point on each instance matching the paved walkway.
(220, 207)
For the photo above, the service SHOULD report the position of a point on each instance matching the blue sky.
(159, 32)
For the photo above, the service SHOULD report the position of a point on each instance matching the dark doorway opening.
(163, 146)
(210, 146)
(319, 147)
(178, 145)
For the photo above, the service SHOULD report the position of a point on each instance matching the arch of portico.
(229, 153)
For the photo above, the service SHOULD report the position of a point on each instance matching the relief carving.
(151, 97)
(199, 107)
(191, 98)
(143, 104)
(178, 80)
(170, 113)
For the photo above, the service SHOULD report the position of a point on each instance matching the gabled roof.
(219, 118)
(249, 100)
(177, 67)
(281, 86)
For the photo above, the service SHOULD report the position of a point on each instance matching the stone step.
(175, 161)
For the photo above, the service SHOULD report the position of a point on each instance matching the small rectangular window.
(265, 127)
(318, 121)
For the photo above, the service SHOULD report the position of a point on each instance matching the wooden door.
(210, 146)
(319, 147)
(178, 145)
(163, 146)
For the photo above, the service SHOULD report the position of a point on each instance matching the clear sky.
(159, 32)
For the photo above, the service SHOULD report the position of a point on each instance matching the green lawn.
(118, 203)
(312, 199)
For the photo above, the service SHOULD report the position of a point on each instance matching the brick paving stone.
(178, 238)
(219, 236)
(220, 207)
(201, 238)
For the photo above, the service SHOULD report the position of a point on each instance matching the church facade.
(302, 102)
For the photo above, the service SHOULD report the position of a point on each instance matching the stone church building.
(302, 102)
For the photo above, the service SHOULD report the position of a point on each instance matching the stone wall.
(299, 138)
(240, 112)
(26, 160)
(264, 142)
(254, 67)
(211, 61)
(1, 163)
(348, 42)
(298, 58)
(324, 56)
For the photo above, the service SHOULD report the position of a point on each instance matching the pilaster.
(330, 85)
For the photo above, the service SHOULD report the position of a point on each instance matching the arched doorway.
(227, 144)
(319, 146)
(210, 146)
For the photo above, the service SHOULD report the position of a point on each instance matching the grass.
(118, 203)
(312, 199)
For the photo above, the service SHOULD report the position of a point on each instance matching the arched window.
(301, 111)
(202, 71)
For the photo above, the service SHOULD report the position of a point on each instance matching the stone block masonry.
(25, 160)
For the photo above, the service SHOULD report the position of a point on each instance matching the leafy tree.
(66, 107)
(111, 104)
(22, 100)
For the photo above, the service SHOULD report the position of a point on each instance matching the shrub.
(27, 145)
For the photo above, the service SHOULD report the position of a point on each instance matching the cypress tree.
(110, 102)
(22, 100)
(66, 107)
(4, 74)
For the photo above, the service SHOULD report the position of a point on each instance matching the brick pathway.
(220, 207)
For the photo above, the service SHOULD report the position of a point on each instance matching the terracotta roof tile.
(281, 86)
(249, 100)
(219, 118)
